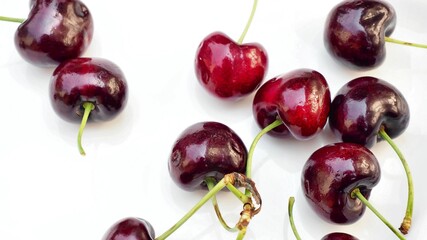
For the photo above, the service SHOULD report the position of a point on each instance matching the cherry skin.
(300, 98)
(206, 150)
(227, 69)
(339, 236)
(363, 106)
(55, 31)
(84, 89)
(355, 32)
(332, 173)
(130, 229)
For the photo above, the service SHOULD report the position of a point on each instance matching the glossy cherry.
(365, 105)
(300, 99)
(206, 150)
(130, 229)
(339, 236)
(356, 31)
(55, 31)
(228, 69)
(84, 89)
(367, 110)
(332, 173)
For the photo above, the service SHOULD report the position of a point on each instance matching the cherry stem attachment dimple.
(10, 19)
(291, 217)
(392, 40)
(88, 107)
(248, 24)
(357, 194)
(272, 125)
(407, 220)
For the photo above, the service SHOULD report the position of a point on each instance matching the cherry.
(229, 69)
(206, 150)
(330, 236)
(55, 31)
(130, 229)
(300, 100)
(337, 180)
(367, 110)
(356, 32)
(84, 89)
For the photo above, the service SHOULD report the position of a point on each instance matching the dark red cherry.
(55, 31)
(363, 106)
(92, 89)
(355, 32)
(130, 229)
(300, 99)
(227, 69)
(332, 173)
(339, 236)
(206, 150)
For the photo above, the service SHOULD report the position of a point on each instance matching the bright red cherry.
(130, 229)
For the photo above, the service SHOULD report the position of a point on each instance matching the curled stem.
(407, 220)
(392, 40)
(235, 179)
(248, 23)
(253, 145)
(10, 19)
(88, 107)
(357, 194)
(291, 217)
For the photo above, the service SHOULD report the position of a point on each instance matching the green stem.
(253, 145)
(406, 224)
(392, 40)
(357, 194)
(88, 107)
(210, 182)
(291, 217)
(220, 185)
(248, 24)
(10, 19)
(241, 234)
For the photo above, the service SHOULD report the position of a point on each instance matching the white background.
(49, 192)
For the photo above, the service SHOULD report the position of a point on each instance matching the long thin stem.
(291, 217)
(10, 19)
(88, 107)
(220, 185)
(248, 24)
(392, 40)
(407, 220)
(253, 145)
(210, 182)
(241, 234)
(357, 194)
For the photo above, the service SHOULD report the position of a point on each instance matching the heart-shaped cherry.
(206, 150)
(299, 99)
(330, 236)
(130, 229)
(55, 31)
(337, 180)
(367, 110)
(229, 69)
(84, 89)
(356, 32)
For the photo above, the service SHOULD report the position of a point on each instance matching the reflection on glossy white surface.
(48, 191)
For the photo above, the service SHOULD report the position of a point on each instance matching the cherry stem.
(392, 40)
(88, 107)
(291, 217)
(248, 24)
(272, 125)
(227, 181)
(407, 220)
(10, 19)
(357, 194)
